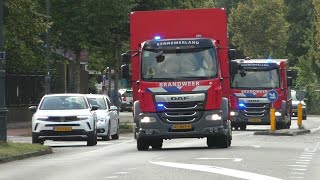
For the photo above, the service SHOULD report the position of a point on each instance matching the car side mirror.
(33, 108)
(126, 57)
(113, 108)
(231, 54)
(94, 107)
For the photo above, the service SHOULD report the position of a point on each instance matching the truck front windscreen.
(166, 64)
(256, 79)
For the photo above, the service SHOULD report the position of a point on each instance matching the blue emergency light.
(160, 105)
(241, 105)
(157, 37)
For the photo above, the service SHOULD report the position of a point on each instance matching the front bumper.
(240, 119)
(199, 129)
(295, 112)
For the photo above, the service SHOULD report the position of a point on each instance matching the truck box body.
(180, 104)
(249, 103)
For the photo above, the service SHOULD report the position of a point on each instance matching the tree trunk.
(77, 72)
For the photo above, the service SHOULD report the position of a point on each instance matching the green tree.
(259, 28)
(25, 26)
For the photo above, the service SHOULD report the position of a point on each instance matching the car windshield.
(256, 79)
(63, 103)
(173, 64)
(98, 102)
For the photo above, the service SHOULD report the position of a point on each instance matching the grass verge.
(10, 149)
(126, 127)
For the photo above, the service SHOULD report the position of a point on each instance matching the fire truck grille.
(255, 109)
(175, 112)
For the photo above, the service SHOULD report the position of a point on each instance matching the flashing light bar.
(157, 37)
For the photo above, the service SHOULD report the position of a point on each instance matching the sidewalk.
(19, 129)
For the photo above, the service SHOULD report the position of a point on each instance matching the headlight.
(82, 117)
(277, 113)
(213, 117)
(102, 120)
(42, 118)
(232, 113)
(148, 119)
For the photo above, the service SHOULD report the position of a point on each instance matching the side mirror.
(289, 81)
(292, 73)
(33, 108)
(233, 67)
(126, 57)
(94, 107)
(231, 54)
(113, 108)
(125, 71)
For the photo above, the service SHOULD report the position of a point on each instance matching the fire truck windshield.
(172, 64)
(256, 79)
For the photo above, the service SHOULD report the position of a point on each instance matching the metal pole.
(3, 110)
(47, 78)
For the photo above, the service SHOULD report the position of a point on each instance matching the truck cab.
(180, 76)
(250, 82)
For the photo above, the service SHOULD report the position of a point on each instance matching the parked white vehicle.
(126, 99)
(62, 117)
(107, 115)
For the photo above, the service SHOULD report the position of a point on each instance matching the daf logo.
(179, 98)
(62, 119)
(253, 101)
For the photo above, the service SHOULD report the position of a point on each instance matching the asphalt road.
(254, 157)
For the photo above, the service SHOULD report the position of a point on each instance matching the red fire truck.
(180, 76)
(251, 80)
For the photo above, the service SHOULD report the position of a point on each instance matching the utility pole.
(47, 78)
(3, 110)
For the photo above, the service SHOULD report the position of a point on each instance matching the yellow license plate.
(254, 120)
(62, 128)
(182, 126)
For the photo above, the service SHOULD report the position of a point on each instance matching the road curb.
(25, 156)
(283, 132)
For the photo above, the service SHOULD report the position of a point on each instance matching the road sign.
(272, 95)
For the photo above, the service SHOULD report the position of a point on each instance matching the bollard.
(299, 115)
(272, 119)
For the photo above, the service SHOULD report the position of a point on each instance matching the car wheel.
(36, 140)
(92, 138)
(116, 136)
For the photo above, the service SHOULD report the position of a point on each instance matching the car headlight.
(83, 117)
(102, 120)
(232, 113)
(277, 113)
(42, 118)
(147, 119)
(213, 117)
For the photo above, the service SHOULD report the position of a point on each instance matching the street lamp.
(3, 110)
(47, 78)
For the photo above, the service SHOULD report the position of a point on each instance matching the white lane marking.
(216, 170)
(302, 162)
(306, 155)
(121, 172)
(295, 177)
(298, 173)
(298, 169)
(256, 146)
(297, 165)
(234, 159)
(111, 177)
(302, 157)
(314, 129)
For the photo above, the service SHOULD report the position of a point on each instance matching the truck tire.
(281, 125)
(142, 145)
(136, 112)
(157, 144)
(225, 109)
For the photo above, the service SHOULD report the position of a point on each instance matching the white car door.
(113, 120)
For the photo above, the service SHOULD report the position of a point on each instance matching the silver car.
(62, 117)
(107, 115)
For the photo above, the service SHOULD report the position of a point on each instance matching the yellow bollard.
(273, 119)
(300, 114)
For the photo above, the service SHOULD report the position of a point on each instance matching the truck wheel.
(142, 145)
(224, 141)
(304, 117)
(212, 141)
(281, 125)
(243, 127)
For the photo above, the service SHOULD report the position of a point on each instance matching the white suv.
(62, 117)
